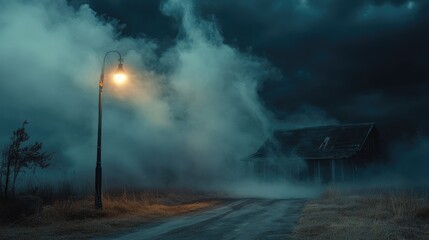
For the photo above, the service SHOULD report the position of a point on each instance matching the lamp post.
(119, 78)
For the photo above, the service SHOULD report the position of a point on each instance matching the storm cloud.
(359, 61)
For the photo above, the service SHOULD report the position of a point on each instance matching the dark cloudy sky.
(208, 80)
(356, 60)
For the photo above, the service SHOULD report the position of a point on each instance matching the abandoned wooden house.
(324, 153)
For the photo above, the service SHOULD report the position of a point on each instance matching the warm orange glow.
(119, 78)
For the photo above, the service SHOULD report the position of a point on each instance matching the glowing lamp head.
(119, 75)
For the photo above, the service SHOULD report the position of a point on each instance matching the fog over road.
(238, 219)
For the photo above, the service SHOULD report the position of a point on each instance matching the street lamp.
(119, 78)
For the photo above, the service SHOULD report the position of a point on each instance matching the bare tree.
(17, 157)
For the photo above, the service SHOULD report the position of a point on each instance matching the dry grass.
(78, 219)
(376, 214)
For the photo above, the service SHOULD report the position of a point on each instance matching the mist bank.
(405, 165)
(185, 115)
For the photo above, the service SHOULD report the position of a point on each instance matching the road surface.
(240, 219)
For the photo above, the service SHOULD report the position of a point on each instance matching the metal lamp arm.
(104, 63)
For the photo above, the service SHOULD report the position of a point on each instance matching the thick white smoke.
(185, 116)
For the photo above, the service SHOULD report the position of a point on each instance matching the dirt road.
(238, 219)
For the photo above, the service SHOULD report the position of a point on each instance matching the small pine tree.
(17, 157)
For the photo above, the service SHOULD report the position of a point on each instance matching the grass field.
(366, 214)
(77, 218)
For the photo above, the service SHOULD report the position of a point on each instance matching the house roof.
(323, 142)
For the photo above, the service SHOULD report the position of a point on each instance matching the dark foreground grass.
(73, 218)
(369, 214)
